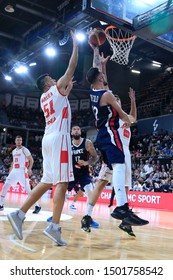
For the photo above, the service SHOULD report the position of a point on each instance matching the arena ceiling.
(25, 30)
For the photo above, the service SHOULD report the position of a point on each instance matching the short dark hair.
(74, 124)
(41, 81)
(18, 136)
(92, 74)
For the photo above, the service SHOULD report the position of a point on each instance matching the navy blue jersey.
(107, 123)
(80, 152)
(106, 116)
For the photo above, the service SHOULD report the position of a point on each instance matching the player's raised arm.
(133, 110)
(66, 78)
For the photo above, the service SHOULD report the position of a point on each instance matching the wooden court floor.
(108, 242)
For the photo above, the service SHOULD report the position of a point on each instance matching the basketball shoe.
(86, 223)
(49, 219)
(94, 224)
(55, 235)
(127, 229)
(127, 215)
(73, 207)
(1, 207)
(37, 209)
(16, 223)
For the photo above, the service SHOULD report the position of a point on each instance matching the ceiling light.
(156, 62)
(21, 69)
(10, 8)
(156, 65)
(103, 23)
(8, 78)
(135, 71)
(32, 64)
(80, 36)
(50, 51)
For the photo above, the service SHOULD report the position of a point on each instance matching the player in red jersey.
(56, 148)
(20, 171)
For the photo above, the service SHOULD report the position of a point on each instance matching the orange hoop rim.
(118, 39)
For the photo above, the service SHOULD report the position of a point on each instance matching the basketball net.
(121, 43)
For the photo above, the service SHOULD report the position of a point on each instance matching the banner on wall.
(155, 200)
(136, 199)
(32, 102)
(156, 125)
(7, 99)
(84, 104)
(74, 105)
(18, 100)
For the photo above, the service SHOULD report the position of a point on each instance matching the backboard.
(151, 20)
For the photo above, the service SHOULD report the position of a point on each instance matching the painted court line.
(12, 238)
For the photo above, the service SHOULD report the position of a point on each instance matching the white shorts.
(18, 175)
(128, 174)
(57, 158)
(106, 174)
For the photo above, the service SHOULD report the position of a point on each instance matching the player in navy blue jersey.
(107, 112)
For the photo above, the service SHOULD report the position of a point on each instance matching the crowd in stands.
(33, 118)
(152, 164)
(154, 99)
(25, 117)
(152, 161)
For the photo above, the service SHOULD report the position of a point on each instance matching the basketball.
(97, 37)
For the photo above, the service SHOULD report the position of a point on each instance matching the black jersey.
(106, 116)
(80, 152)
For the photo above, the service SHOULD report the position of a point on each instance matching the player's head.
(94, 75)
(76, 132)
(18, 140)
(45, 81)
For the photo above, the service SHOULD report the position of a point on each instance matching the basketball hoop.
(121, 43)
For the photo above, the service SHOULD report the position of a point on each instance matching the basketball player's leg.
(11, 180)
(104, 177)
(17, 218)
(112, 197)
(62, 173)
(25, 182)
(122, 211)
(35, 194)
(123, 226)
(128, 171)
(78, 193)
(116, 159)
(58, 201)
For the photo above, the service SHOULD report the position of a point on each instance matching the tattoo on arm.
(93, 154)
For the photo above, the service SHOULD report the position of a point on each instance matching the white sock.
(88, 189)
(118, 180)
(89, 209)
(55, 226)
(21, 214)
(37, 204)
(27, 188)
